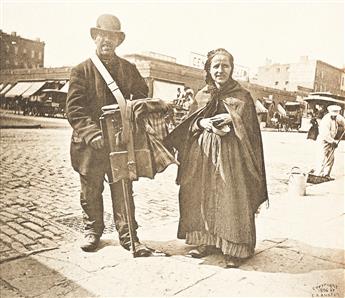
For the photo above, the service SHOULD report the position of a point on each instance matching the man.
(178, 93)
(87, 94)
(327, 144)
(189, 98)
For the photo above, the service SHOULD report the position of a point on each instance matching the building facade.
(342, 85)
(162, 74)
(20, 53)
(305, 75)
(328, 78)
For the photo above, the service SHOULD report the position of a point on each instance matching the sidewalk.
(10, 120)
(299, 253)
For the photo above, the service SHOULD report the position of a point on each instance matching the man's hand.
(97, 142)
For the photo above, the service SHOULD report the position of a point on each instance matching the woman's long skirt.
(215, 196)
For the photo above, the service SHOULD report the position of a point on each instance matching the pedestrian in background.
(327, 144)
(221, 174)
(313, 131)
(189, 99)
(87, 94)
(181, 98)
(178, 93)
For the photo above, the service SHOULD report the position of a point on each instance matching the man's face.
(220, 69)
(106, 43)
(334, 115)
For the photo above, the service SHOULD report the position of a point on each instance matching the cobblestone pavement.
(39, 206)
(40, 193)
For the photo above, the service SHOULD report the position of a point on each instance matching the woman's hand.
(206, 123)
(221, 119)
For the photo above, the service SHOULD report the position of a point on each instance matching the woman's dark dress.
(314, 130)
(222, 179)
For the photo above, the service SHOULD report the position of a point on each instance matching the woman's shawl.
(241, 108)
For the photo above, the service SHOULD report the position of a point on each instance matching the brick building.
(20, 53)
(342, 85)
(162, 74)
(311, 75)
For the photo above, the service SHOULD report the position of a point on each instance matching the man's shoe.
(141, 250)
(90, 242)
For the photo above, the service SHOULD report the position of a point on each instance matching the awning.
(318, 99)
(18, 89)
(51, 90)
(33, 89)
(2, 85)
(65, 88)
(8, 87)
(281, 110)
(292, 103)
(259, 107)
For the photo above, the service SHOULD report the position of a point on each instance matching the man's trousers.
(91, 200)
(325, 159)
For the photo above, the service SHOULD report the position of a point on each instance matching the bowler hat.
(110, 24)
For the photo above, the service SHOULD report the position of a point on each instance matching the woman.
(314, 129)
(221, 174)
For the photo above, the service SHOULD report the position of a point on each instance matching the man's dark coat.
(87, 94)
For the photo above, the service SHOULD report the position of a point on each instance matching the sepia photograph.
(172, 148)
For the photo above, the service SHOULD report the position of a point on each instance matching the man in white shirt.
(327, 144)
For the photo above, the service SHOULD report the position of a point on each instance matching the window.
(24, 51)
(40, 55)
(32, 53)
(16, 50)
(287, 68)
(278, 69)
(286, 82)
(276, 83)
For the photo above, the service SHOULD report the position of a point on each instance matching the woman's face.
(220, 69)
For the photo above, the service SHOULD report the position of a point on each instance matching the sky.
(252, 31)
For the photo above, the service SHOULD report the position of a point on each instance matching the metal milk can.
(297, 182)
